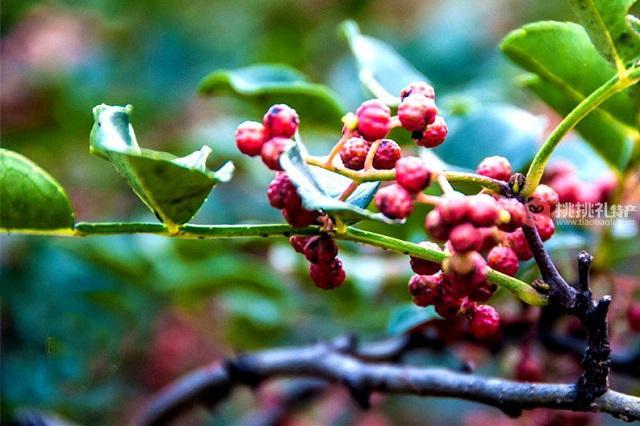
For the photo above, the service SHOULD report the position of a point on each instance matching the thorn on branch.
(347, 344)
(325, 363)
(241, 370)
(360, 392)
(578, 300)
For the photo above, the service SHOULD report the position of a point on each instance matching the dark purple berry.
(327, 276)
(320, 249)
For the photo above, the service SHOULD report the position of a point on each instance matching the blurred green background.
(92, 327)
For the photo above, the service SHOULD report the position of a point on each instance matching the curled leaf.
(173, 188)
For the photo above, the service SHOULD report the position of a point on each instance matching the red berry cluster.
(473, 226)
(270, 138)
(563, 178)
(321, 251)
(479, 231)
(418, 114)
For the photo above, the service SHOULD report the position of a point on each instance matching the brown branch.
(578, 301)
(295, 394)
(560, 292)
(323, 361)
(625, 362)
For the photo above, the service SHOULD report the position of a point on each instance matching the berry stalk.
(588, 104)
(521, 289)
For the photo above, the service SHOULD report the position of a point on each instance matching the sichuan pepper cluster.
(477, 231)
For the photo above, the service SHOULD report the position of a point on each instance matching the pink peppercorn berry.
(387, 154)
(495, 167)
(282, 193)
(271, 151)
(394, 202)
(320, 249)
(503, 259)
(281, 120)
(250, 136)
(465, 238)
(485, 322)
(415, 112)
(354, 152)
(412, 174)
(425, 289)
(374, 119)
(418, 88)
(434, 134)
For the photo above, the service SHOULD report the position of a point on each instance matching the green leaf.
(407, 317)
(562, 54)
(268, 84)
(173, 188)
(612, 140)
(605, 22)
(500, 129)
(380, 61)
(29, 197)
(319, 189)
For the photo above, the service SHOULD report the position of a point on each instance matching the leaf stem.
(588, 104)
(521, 289)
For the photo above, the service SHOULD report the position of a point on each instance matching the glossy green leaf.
(562, 54)
(500, 129)
(268, 84)
(29, 197)
(173, 188)
(320, 191)
(605, 22)
(606, 135)
(379, 60)
(407, 317)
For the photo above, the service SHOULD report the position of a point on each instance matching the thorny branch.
(367, 368)
(339, 363)
(578, 301)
